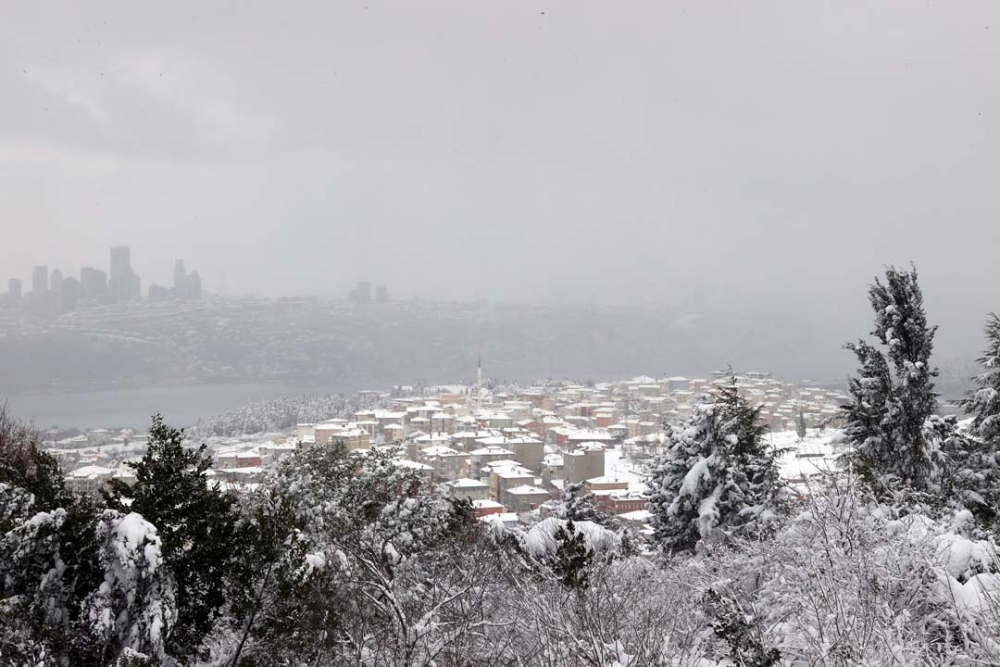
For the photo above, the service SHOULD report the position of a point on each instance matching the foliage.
(578, 505)
(741, 630)
(893, 395)
(718, 477)
(983, 403)
(573, 558)
(196, 522)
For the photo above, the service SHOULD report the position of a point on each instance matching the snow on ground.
(816, 454)
(616, 466)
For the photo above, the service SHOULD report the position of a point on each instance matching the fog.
(773, 155)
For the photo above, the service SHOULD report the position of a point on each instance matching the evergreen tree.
(800, 426)
(578, 505)
(196, 523)
(572, 558)
(983, 403)
(24, 465)
(717, 475)
(973, 460)
(893, 395)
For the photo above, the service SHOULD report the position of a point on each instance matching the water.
(132, 408)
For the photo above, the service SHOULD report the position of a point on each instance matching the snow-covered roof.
(513, 472)
(491, 451)
(466, 483)
(406, 463)
(483, 504)
(638, 516)
(605, 479)
(440, 450)
(90, 472)
(526, 490)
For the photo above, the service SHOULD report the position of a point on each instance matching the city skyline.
(119, 283)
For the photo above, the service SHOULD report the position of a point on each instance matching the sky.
(577, 151)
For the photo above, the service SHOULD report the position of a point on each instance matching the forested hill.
(333, 344)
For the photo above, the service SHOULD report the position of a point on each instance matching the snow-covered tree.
(133, 608)
(800, 426)
(25, 466)
(973, 458)
(572, 559)
(196, 523)
(718, 476)
(347, 548)
(983, 402)
(578, 505)
(893, 395)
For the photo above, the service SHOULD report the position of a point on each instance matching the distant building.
(122, 284)
(93, 284)
(14, 289)
(180, 275)
(193, 286)
(40, 280)
(584, 463)
(160, 293)
(55, 281)
(381, 294)
(186, 285)
(70, 293)
(362, 293)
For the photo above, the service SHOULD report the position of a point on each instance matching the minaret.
(479, 384)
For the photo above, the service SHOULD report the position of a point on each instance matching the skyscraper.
(122, 282)
(56, 280)
(93, 284)
(180, 274)
(193, 286)
(40, 280)
(70, 293)
(14, 289)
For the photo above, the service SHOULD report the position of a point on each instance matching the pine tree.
(893, 396)
(983, 403)
(572, 558)
(718, 476)
(800, 426)
(196, 523)
(973, 460)
(578, 505)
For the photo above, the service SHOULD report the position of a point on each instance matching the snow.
(316, 561)
(698, 471)
(541, 540)
(979, 592)
(962, 557)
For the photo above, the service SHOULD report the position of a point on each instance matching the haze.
(774, 154)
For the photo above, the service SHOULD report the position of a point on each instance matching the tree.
(973, 460)
(983, 403)
(893, 395)
(800, 426)
(578, 505)
(196, 523)
(25, 466)
(133, 609)
(717, 476)
(572, 559)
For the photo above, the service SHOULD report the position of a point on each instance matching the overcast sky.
(585, 151)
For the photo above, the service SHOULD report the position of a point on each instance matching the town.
(512, 452)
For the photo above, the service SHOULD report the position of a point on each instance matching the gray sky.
(518, 150)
